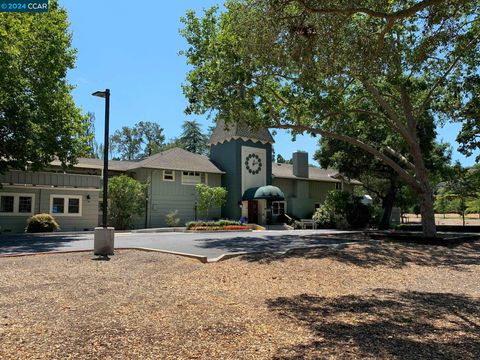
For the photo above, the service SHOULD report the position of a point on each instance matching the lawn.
(364, 301)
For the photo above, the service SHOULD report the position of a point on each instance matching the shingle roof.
(223, 133)
(87, 163)
(172, 159)
(177, 159)
(286, 171)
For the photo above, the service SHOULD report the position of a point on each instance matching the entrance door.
(253, 212)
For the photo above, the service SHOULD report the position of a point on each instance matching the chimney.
(300, 164)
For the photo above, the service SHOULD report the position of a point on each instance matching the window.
(338, 186)
(17, 204)
(66, 205)
(6, 204)
(58, 205)
(74, 206)
(191, 178)
(278, 208)
(168, 175)
(25, 204)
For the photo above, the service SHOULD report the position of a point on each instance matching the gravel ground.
(364, 301)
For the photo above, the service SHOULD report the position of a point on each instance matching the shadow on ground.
(369, 255)
(266, 243)
(390, 324)
(35, 243)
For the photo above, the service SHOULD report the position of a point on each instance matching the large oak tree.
(38, 117)
(313, 66)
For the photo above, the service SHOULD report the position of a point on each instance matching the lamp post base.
(103, 241)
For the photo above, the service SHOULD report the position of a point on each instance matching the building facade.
(240, 160)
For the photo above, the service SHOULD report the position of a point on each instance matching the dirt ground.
(365, 301)
(447, 219)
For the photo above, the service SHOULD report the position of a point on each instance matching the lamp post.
(104, 235)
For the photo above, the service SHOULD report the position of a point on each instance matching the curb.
(200, 258)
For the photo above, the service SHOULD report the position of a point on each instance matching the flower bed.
(222, 225)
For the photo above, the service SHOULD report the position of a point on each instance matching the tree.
(193, 139)
(469, 137)
(327, 62)
(209, 197)
(140, 141)
(280, 159)
(126, 200)
(463, 186)
(39, 121)
(378, 179)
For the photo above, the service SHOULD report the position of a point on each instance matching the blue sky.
(132, 48)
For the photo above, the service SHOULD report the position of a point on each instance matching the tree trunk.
(428, 213)
(387, 205)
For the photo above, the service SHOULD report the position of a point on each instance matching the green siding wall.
(87, 221)
(167, 196)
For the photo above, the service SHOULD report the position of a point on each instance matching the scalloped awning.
(264, 192)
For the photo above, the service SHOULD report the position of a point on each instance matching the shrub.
(127, 200)
(171, 219)
(42, 223)
(343, 211)
(210, 197)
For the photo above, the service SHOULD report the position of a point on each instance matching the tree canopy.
(38, 117)
(192, 138)
(137, 142)
(314, 67)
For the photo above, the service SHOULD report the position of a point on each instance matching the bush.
(342, 210)
(171, 219)
(42, 223)
(127, 200)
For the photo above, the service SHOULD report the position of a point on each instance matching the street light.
(104, 236)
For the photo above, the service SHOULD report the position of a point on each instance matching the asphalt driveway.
(209, 245)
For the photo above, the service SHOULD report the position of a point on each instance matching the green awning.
(264, 192)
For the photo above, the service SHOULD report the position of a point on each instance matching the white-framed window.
(66, 205)
(338, 186)
(168, 175)
(279, 207)
(17, 204)
(191, 177)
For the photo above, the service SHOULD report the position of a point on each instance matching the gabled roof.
(172, 159)
(234, 131)
(87, 163)
(285, 171)
(177, 159)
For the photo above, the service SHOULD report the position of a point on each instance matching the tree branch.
(398, 124)
(442, 78)
(408, 178)
(400, 157)
(400, 14)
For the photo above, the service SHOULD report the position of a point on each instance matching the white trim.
(199, 176)
(16, 204)
(173, 175)
(65, 198)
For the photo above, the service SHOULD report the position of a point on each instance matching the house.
(240, 160)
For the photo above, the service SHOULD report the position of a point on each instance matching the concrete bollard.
(103, 241)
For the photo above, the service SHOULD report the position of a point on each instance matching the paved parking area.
(209, 245)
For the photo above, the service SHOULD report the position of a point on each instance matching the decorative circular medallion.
(253, 164)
